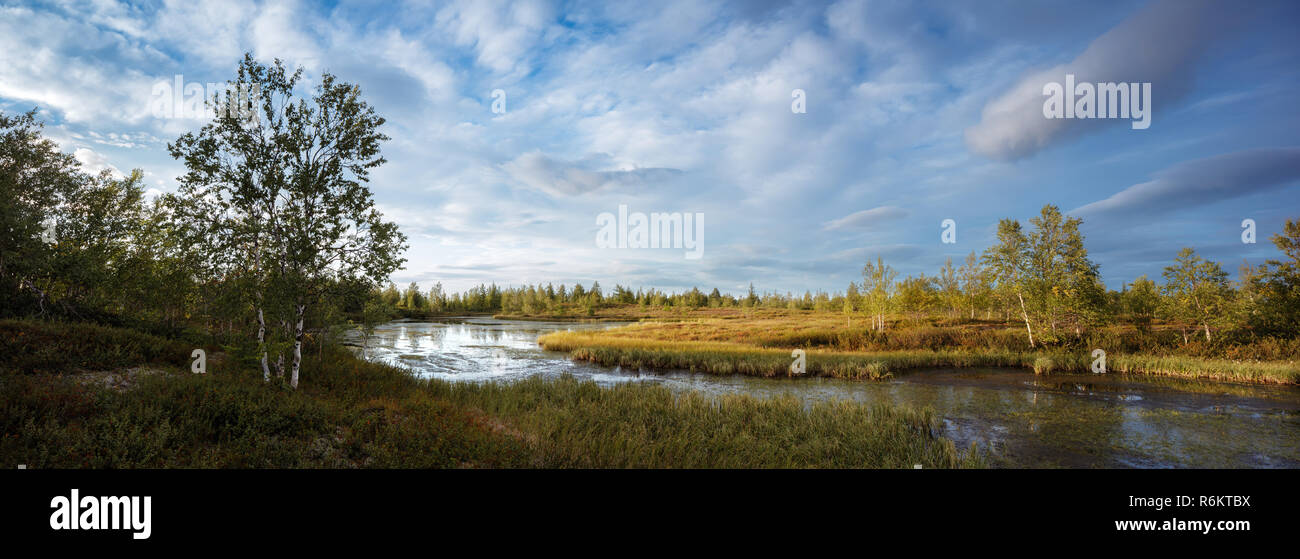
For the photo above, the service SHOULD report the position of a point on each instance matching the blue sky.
(915, 113)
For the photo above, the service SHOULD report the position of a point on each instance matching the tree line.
(541, 299)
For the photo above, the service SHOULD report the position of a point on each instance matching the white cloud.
(94, 162)
(1160, 45)
(49, 61)
(501, 33)
(278, 31)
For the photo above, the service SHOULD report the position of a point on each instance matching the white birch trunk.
(261, 343)
(1025, 314)
(297, 348)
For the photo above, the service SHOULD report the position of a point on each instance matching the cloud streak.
(873, 218)
(560, 178)
(1204, 181)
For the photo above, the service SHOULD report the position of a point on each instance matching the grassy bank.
(710, 347)
(579, 424)
(351, 413)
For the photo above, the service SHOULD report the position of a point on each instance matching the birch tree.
(1141, 301)
(974, 284)
(917, 296)
(949, 286)
(878, 287)
(1063, 281)
(1008, 261)
(284, 195)
(1198, 291)
(851, 302)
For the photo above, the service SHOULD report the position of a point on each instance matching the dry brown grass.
(761, 345)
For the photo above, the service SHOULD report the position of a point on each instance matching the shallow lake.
(1023, 419)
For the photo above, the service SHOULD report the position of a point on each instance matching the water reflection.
(1027, 420)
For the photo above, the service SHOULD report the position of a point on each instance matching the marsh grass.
(634, 425)
(351, 413)
(781, 328)
(647, 346)
(1263, 372)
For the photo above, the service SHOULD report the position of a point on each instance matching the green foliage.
(1196, 291)
(948, 283)
(35, 179)
(976, 285)
(71, 244)
(878, 288)
(1277, 287)
(1047, 274)
(1064, 284)
(918, 296)
(412, 298)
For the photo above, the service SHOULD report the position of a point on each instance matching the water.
(1024, 420)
